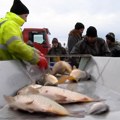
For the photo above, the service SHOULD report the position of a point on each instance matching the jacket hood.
(16, 18)
(75, 33)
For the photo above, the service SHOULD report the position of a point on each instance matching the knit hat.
(111, 36)
(91, 32)
(79, 25)
(54, 40)
(19, 8)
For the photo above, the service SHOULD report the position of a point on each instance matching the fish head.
(76, 73)
(98, 108)
(79, 74)
(17, 103)
(51, 79)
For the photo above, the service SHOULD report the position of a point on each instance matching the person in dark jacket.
(75, 35)
(113, 45)
(91, 44)
(56, 49)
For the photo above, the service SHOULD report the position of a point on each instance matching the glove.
(43, 64)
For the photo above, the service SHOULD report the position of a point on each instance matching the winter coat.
(98, 48)
(115, 50)
(12, 45)
(59, 50)
(73, 38)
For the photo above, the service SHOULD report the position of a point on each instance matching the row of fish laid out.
(63, 72)
(48, 99)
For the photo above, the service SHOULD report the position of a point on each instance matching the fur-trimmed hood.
(75, 32)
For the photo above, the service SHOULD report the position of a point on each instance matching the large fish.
(61, 67)
(35, 103)
(60, 95)
(38, 103)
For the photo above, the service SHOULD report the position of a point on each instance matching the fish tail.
(98, 100)
(9, 99)
(92, 100)
(64, 78)
(77, 114)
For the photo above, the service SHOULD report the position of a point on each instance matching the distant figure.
(56, 49)
(113, 45)
(91, 44)
(75, 35)
(64, 45)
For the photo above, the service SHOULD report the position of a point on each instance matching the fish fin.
(47, 83)
(33, 90)
(39, 88)
(98, 100)
(87, 99)
(9, 99)
(64, 78)
(29, 102)
(50, 84)
(71, 78)
(30, 110)
(61, 98)
(77, 114)
(74, 67)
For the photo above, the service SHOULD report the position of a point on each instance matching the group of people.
(88, 44)
(91, 43)
(12, 45)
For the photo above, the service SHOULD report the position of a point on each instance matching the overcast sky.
(60, 16)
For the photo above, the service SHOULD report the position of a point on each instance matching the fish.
(47, 79)
(35, 103)
(98, 108)
(75, 75)
(61, 67)
(50, 79)
(78, 74)
(57, 94)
